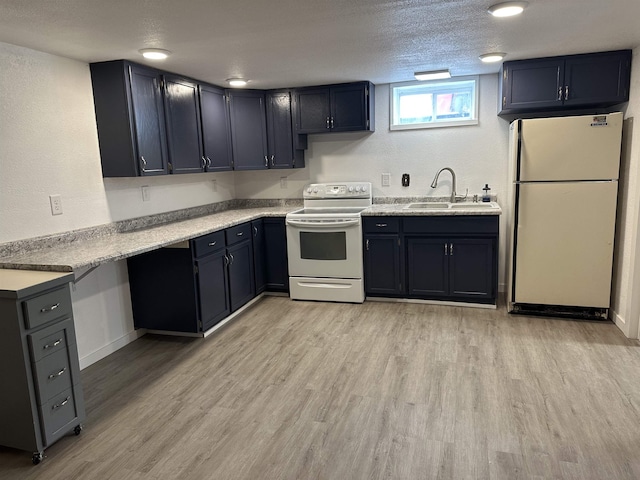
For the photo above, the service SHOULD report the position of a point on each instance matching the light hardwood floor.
(304, 390)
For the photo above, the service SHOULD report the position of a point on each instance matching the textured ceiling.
(303, 42)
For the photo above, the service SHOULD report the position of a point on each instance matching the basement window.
(437, 103)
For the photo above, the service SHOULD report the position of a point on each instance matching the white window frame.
(431, 87)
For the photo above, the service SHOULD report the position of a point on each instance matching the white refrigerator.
(564, 174)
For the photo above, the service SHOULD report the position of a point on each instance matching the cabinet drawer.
(57, 414)
(208, 243)
(463, 224)
(53, 375)
(381, 224)
(44, 308)
(238, 233)
(52, 339)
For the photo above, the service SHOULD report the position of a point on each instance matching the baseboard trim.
(431, 302)
(108, 349)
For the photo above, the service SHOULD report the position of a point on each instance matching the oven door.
(324, 248)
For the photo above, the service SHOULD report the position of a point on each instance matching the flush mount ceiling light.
(154, 53)
(237, 82)
(432, 75)
(492, 57)
(507, 9)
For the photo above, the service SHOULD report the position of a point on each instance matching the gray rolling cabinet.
(41, 396)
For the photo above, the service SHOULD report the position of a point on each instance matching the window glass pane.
(434, 104)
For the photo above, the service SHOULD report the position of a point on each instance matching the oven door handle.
(330, 224)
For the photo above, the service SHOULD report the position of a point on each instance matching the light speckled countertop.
(93, 251)
(80, 249)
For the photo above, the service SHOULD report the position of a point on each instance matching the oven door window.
(323, 245)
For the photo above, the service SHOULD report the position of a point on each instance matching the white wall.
(626, 279)
(49, 145)
(477, 153)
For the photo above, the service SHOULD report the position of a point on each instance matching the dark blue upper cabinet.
(216, 132)
(283, 146)
(248, 129)
(130, 119)
(345, 107)
(595, 80)
(182, 111)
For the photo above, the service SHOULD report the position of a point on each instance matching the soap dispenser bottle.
(485, 197)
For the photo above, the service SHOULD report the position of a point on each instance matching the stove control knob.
(357, 188)
(351, 189)
(315, 190)
(364, 188)
(309, 190)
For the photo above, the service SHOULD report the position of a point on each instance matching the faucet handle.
(460, 197)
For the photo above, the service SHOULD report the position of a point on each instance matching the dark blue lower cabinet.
(382, 265)
(241, 280)
(259, 268)
(275, 254)
(212, 282)
(446, 268)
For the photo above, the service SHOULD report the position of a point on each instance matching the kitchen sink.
(427, 205)
(473, 206)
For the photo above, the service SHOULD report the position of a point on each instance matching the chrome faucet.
(434, 184)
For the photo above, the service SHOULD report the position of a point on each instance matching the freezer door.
(564, 243)
(570, 148)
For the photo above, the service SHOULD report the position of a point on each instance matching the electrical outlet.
(386, 179)
(214, 185)
(283, 182)
(146, 193)
(56, 204)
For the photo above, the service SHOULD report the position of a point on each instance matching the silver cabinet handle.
(144, 164)
(328, 122)
(367, 243)
(566, 92)
(54, 375)
(204, 163)
(239, 234)
(451, 249)
(61, 404)
(49, 309)
(231, 262)
(331, 122)
(560, 93)
(445, 249)
(226, 261)
(266, 161)
(54, 344)
(255, 231)
(273, 160)
(208, 162)
(381, 225)
(211, 244)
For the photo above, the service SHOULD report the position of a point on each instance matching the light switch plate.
(146, 194)
(386, 179)
(56, 204)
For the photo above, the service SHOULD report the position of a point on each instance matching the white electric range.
(324, 243)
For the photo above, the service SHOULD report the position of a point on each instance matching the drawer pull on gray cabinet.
(55, 375)
(49, 309)
(51, 345)
(239, 234)
(381, 225)
(211, 244)
(61, 404)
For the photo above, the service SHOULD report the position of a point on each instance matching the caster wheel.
(77, 429)
(37, 458)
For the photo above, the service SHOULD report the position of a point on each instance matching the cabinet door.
(597, 79)
(427, 267)
(382, 267)
(183, 125)
(280, 130)
(216, 132)
(257, 231)
(349, 108)
(471, 268)
(213, 289)
(313, 110)
(241, 279)
(276, 267)
(532, 84)
(248, 130)
(149, 126)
